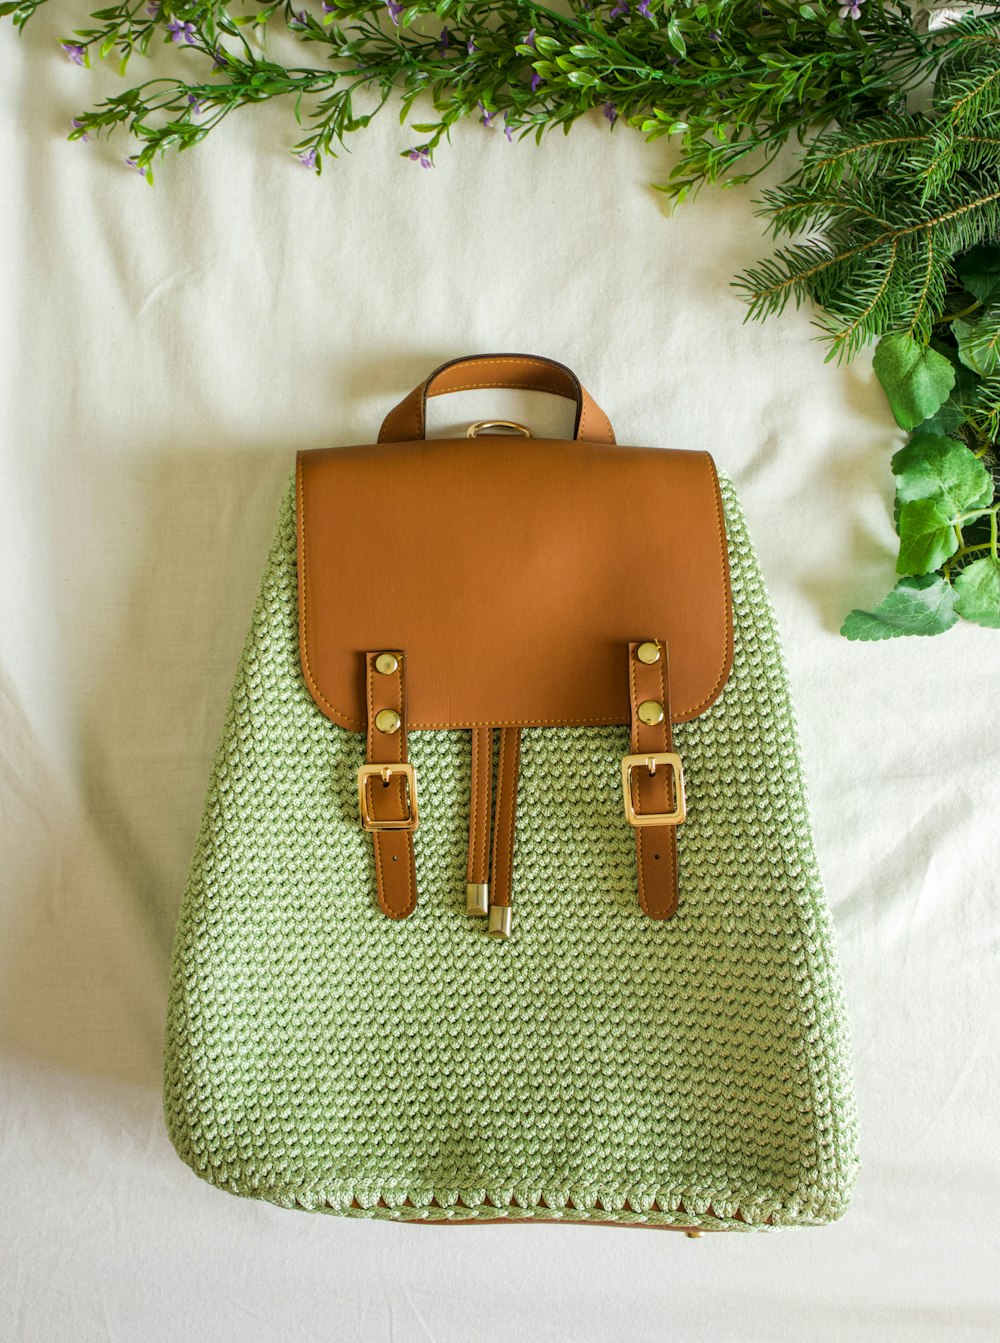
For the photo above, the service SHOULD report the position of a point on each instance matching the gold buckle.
(385, 773)
(650, 760)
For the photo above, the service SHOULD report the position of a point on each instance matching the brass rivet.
(648, 652)
(387, 663)
(650, 712)
(387, 720)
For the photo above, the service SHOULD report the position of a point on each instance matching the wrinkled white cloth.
(163, 353)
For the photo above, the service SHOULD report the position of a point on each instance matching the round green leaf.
(916, 379)
(927, 536)
(932, 467)
(979, 342)
(977, 592)
(921, 605)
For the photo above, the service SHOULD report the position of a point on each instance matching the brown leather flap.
(512, 572)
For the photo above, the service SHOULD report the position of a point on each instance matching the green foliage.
(941, 469)
(923, 605)
(915, 378)
(977, 592)
(979, 342)
(927, 536)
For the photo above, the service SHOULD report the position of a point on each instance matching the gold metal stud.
(649, 652)
(387, 663)
(387, 720)
(500, 919)
(694, 1235)
(650, 712)
(477, 899)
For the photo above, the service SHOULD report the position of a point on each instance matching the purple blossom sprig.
(851, 10)
(181, 31)
(143, 169)
(308, 158)
(394, 11)
(77, 124)
(421, 156)
(76, 53)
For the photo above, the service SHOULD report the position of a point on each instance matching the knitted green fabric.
(599, 1066)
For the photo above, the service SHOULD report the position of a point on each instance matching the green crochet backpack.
(496, 913)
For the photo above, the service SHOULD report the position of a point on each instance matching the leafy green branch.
(947, 475)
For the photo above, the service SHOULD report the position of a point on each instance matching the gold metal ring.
(507, 426)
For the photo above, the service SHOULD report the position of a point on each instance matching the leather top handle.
(530, 373)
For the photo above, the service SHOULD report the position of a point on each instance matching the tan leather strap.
(505, 816)
(477, 874)
(652, 793)
(390, 801)
(408, 420)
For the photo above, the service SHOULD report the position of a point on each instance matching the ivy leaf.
(979, 271)
(931, 467)
(977, 592)
(979, 342)
(921, 605)
(916, 379)
(927, 536)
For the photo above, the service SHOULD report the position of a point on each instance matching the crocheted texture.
(599, 1066)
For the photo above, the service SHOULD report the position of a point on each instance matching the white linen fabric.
(163, 353)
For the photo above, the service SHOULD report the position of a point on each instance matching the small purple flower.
(444, 41)
(153, 9)
(133, 162)
(181, 32)
(74, 51)
(394, 11)
(529, 39)
(536, 80)
(852, 10)
(508, 129)
(610, 110)
(194, 104)
(620, 8)
(487, 115)
(77, 123)
(714, 36)
(420, 156)
(219, 59)
(328, 9)
(308, 158)
(302, 19)
(643, 8)
(471, 47)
